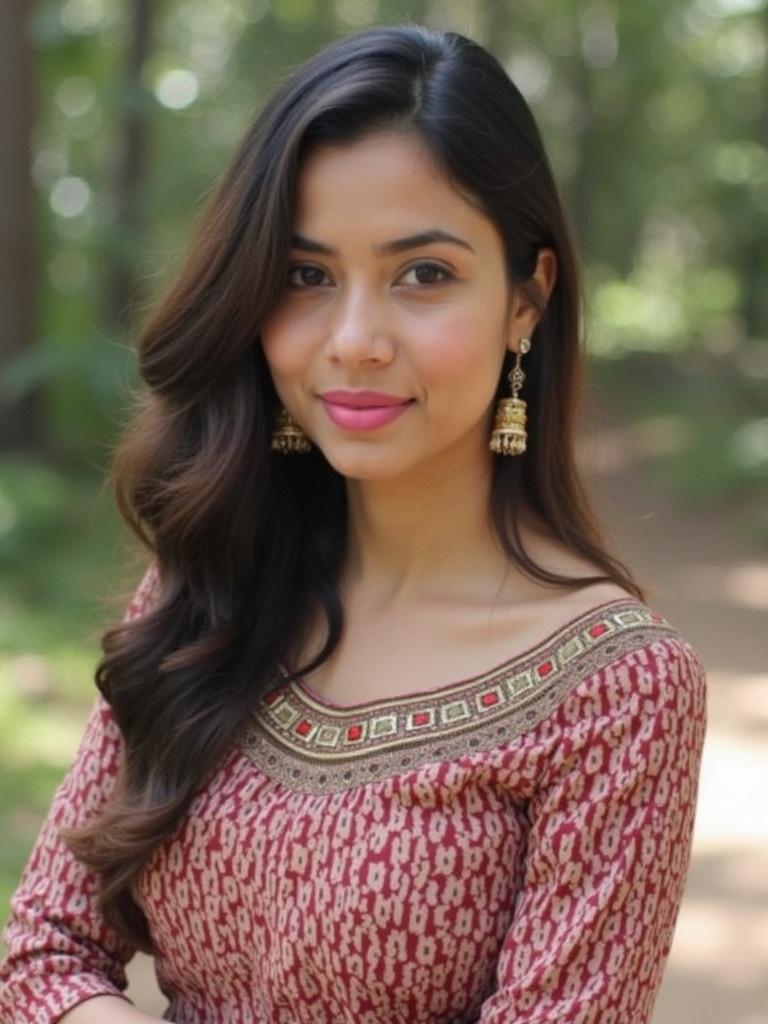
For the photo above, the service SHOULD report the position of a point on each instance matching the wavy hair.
(246, 542)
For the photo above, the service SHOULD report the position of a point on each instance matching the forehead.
(377, 183)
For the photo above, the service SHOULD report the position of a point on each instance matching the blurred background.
(117, 116)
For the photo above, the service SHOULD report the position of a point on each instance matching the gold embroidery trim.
(316, 748)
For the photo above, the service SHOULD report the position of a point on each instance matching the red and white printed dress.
(507, 849)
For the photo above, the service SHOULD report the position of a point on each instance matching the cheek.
(459, 350)
(284, 347)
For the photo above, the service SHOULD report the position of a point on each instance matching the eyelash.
(448, 276)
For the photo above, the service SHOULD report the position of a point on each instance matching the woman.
(387, 735)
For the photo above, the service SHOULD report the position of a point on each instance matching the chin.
(366, 463)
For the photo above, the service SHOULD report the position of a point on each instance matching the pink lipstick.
(363, 418)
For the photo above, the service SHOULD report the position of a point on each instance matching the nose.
(358, 330)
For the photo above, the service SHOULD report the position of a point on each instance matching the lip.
(363, 418)
(363, 399)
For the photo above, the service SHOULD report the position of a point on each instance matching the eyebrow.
(386, 248)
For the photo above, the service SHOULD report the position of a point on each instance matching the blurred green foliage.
(57, 533)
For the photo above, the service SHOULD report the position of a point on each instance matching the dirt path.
(713, 587)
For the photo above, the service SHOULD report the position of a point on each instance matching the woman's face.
(427, 323)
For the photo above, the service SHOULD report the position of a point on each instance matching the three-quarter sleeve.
(611, 825)
(59, 949)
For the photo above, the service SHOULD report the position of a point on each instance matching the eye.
(310, 276)
(310, 280)
(431, 269)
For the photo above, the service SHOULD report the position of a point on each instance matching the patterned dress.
(507, 849)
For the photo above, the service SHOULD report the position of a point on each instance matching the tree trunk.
(754, 307)
(129, 174)
(22, 422)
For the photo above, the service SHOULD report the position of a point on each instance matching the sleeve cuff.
(44, 999)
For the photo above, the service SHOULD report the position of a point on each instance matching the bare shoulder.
(551, 611)
(564, 601)
(595, 594)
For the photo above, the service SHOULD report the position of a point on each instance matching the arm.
(59, 950)
(609, 845)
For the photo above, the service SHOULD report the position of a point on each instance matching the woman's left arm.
(611, 827)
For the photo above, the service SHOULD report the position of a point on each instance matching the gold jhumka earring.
(288, 436)
(509, 434)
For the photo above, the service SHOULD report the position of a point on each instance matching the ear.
(525, 311)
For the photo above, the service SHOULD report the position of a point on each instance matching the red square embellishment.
(598, 630)
(488, 699)
(421, 718)
(354, 732)
(303, 727)
(545, 669)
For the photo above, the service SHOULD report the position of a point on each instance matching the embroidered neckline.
(316, 701)
(316, 747)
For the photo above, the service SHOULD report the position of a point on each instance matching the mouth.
(367, 417)
(363, 399)
(368, 405)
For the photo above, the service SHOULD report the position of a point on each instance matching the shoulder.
(631, 690)
(609, 660)
(616, 655)
(643, 668)
(635, 631)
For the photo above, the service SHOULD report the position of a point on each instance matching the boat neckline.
(308, 694)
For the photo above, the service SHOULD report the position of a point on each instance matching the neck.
(425, 536)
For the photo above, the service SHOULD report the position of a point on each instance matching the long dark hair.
(247, 541)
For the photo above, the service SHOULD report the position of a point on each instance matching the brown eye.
(428, 270)
(311, 276)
